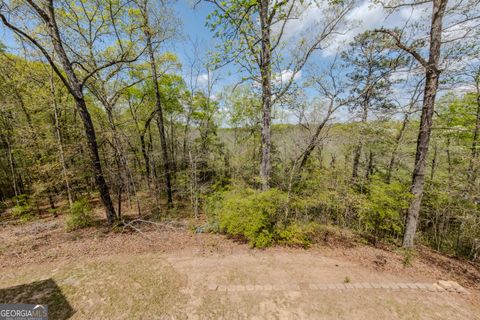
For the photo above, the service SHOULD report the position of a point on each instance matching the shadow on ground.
(40, 292)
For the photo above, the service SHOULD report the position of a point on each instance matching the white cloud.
(413, 13)
(362, 18)
(202, 79)
(307, 16)
(285, 76)
(365, 16)
(465, 88)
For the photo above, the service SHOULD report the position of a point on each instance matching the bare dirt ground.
(172, 272)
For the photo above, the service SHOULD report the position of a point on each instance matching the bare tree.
(408, 110)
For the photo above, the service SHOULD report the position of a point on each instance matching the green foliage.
(42, 148)
(381, 214)
(454, 220)
(323, 196)
(3, 206)
(248, 213)
(298, 235)
(22, 210)
(79, 216)
(258, 217)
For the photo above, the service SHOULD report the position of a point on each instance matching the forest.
(294, 117)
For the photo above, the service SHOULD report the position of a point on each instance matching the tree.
(408, 110)
(473, 74)
(330, 92)
(461, 16)
(370, 80)
(110, 84)
(253, 34)
(44, 16)
(155, 34)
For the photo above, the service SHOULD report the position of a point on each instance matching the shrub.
(22, 209)
(247, 213)
(256, 216)
(323, 196)
(79, 216)
(299, 235)
(3, 206)
(381, 214)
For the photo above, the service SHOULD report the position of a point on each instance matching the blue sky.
(193, 19)
(364, 16)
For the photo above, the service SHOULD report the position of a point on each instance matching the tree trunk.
(431, 85)
(358, 149)
(11, 162)
(476, 136)
(75, 87)
(60, 143)
(95, 158)
(449, 159)
(266, 74)
(145, 158)
(313, 142)
(356, 160)
(434, 162)
(393, 159)
(370, 166)
(160, 120)
(143, 145)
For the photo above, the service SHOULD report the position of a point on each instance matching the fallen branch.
(130, 224)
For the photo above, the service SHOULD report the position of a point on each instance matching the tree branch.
(23, 34)
(401, 45)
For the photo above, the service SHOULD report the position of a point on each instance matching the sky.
(364, 16)
(193, 29)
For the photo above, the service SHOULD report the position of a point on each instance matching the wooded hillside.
(380, 135)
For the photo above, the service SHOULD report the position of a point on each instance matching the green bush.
(3, 206)
(454, 221)
(256, 216)
(299, 235)
(382, 213)
(22, 209)
(323, 196)
(79, 216)
(247, 213)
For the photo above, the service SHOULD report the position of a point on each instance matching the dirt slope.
(174, 273)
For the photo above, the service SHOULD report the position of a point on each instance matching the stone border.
(439, 286)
